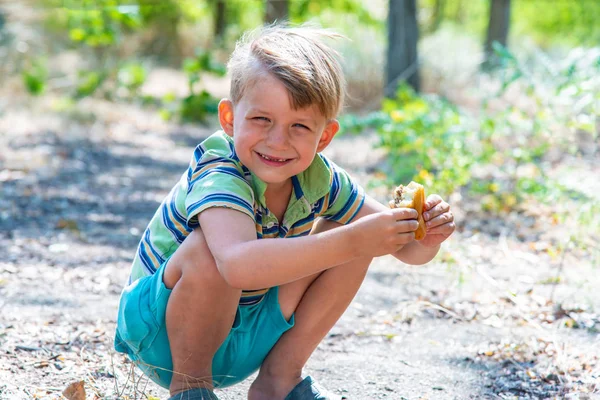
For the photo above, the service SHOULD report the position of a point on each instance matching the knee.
(201, 269)
(361, 265)
(193, 262)
(357, 268)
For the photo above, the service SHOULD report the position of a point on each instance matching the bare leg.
(200, 312)
(316, 312)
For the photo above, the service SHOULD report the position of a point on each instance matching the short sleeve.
(217, 182)
(345, 197)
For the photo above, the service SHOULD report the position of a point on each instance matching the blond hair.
(298, 57)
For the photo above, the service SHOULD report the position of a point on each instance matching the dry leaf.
(67, 224)
(75, 391)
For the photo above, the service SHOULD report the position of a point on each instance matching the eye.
(301, 126)
(265, 119)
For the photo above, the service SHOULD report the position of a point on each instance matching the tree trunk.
(220, 19)
(403, 35)
(497, 29)
(276, 10)
(459, 12)
(438, 15)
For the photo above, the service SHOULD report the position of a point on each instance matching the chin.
(272, 180)
(276, 175)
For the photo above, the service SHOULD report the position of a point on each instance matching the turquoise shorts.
(142, 333)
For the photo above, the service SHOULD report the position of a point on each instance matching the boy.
(210, 301)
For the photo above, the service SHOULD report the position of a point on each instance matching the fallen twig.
(559, 272)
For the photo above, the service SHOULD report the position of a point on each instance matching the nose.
(277, 138)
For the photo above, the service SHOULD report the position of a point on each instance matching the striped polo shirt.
(217, 178)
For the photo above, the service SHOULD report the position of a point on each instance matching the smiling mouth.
(273, 159)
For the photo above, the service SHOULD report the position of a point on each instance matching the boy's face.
(272, 139)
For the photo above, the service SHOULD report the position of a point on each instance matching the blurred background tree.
(276, 10)
(403, 36)
(219, 18)
(163, 18)
(497, 32)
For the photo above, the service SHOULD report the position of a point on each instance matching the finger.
(405, 213)
(445, 229)
(405, 226)
(445, 218)
(432, 201)
(439, 209)
(404, 238)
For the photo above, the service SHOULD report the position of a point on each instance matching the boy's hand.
(439, 221)
(384, 232)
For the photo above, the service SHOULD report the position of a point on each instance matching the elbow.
(413, 261)
(420, 263)
(230, 274)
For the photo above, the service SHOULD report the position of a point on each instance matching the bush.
(528, 109)
(35, 77)
(430, 141)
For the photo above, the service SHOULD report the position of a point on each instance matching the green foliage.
(354, 124)
(564, 22)
(569, 22)
(132, 76)
(550, 85)
(304, 10)
(98, 23)
(164, 10)
(98, 27)
(88, 82)
(203, 62)
(197, 106)
(472, 16)
(498, 156)
(199, 103)
(35, 77)
(428, 140)
(243, 15)
(175, 11)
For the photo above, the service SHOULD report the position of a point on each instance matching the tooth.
(273, 159)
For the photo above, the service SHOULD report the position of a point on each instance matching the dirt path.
(77, 189)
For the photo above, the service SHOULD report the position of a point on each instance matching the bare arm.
(248, 263)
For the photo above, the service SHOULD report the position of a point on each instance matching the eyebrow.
(311, 120)
(257, 111)
(300, 119)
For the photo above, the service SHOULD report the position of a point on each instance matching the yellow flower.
(397, 116)
(425, 176)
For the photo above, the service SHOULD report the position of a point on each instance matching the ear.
(226, 116)
(331, 128)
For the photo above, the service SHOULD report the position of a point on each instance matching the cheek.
(241, 145)
(308, 145)
(248, 132)
(244, 143)
(307, 150)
